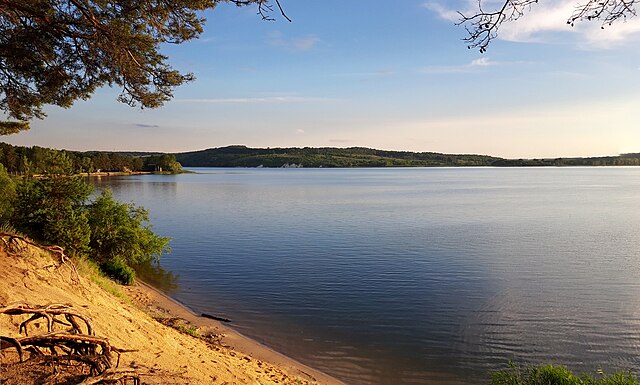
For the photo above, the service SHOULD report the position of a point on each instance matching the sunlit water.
(410, 276)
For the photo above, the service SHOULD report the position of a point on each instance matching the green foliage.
(52, 209)
(120, 231)
(555, 375)
(119, 271)
(8, 128)
(164, 163)
(115, 235)
(189, 329)
(58, 52)
(7, 195)
(241, 156)
(89, 269)
(46, 161)
(43, 161)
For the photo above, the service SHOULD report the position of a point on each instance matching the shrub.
(119, 271)
(120, 230)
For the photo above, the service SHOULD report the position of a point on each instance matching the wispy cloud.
(547, 23)
(442, 11)
(256, 100)
(474, 65)
(143, 125)
(299, 131)
(303, 43)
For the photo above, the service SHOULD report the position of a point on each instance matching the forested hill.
(242, 156)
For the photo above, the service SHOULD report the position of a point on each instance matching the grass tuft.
(556, 375)
(92, 272)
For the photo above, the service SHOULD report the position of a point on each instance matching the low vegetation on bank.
(556, 375)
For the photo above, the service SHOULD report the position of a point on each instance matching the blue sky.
(389, 75)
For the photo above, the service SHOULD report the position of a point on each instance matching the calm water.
(410, 276)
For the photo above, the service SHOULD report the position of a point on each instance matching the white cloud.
(547, 23)
(482, 62)
(474, 65)
(299, 131)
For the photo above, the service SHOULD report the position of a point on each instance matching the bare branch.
(482, 27)
(608, 11)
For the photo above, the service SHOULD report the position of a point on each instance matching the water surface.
(410, 276)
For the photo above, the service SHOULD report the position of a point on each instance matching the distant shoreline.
(114, 173)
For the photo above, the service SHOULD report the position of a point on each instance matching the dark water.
(410, 276)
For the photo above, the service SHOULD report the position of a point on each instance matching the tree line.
(35, 160)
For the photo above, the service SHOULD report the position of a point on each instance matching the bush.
(119, 271)
(120, 231)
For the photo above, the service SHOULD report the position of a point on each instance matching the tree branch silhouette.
(483, 25)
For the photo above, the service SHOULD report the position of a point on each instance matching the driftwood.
(49, 312)
(213, 317)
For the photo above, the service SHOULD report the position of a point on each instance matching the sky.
(381, 74)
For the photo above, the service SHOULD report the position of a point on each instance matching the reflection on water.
(157, 276)
(410, 276)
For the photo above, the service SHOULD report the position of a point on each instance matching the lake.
(410, 276)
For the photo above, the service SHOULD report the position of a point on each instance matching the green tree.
(53, 210)
(7, 195)
(165, 163)
(58, 51)
(120, 231)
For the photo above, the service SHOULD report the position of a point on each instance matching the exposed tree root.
(49, 312)
(7, 342)
(16, 245)
(113, 376)
(65, 353)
